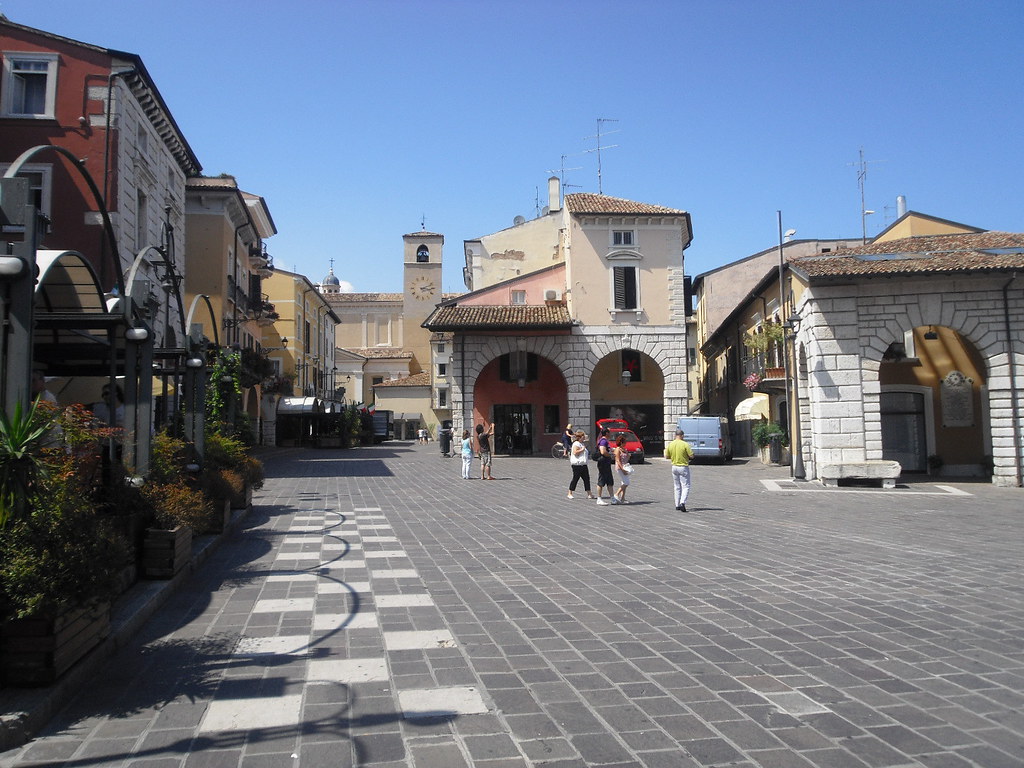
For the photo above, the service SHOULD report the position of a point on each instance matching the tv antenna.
(600, 121)
(561, 173)
(862, 175)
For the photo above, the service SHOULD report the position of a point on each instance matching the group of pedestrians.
(613, 461)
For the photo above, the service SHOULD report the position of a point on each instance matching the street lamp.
(796, 449)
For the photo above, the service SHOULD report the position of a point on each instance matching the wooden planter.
(242, 500)
(164, 552)
(38, 651)
(221, 516)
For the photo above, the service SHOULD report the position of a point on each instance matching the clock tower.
(421, 292)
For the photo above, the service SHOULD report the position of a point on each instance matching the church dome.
(331, 279)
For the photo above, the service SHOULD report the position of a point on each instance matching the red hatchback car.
(632, 444)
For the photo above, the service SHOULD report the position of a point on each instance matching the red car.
(632, 444)
(611, 424)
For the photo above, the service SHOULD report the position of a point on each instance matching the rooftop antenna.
(561, 173)
(600, 121)
(862, 175)
(423, 222)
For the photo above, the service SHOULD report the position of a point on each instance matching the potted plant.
(60, 557)
(179, 508)
(763, 434)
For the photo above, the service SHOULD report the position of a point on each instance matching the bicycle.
(558, 450)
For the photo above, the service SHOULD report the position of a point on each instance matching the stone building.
(910, 348)
(586, 319)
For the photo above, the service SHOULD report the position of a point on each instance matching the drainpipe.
(1013, 384)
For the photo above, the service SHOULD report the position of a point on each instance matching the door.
(513, 429)
(903, 430)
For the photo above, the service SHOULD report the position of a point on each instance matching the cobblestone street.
(375, 609)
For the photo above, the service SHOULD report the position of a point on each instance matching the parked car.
(632, 444)
(708, 436)
(611, 424)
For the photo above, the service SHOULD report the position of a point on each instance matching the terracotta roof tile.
(584, 202)
(919, 255)
(416, 380)
(456, 318)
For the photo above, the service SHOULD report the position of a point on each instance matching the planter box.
(242, 500)
(164, 552)
(37, 651)
(221, 516)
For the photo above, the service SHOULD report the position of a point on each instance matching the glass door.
(513, 429)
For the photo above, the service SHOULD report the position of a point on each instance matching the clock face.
(422, 287)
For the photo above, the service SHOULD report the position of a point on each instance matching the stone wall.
(847, 328)
(575, 355)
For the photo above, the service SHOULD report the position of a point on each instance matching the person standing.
(467, 454)
(680, 453)
(567, 440)
(604, 470)
(579, 455)
(483, 441)
(622, 467)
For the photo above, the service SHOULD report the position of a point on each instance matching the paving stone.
(826, 634)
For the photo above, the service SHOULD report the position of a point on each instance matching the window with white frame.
(30, 85)
(518, 297)
(622, 237)
(442, 398)
(440, 347)
(442, 369)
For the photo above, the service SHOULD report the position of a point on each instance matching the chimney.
(901, 206)
(554, 194)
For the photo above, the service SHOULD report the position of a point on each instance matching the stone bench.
(883, 471)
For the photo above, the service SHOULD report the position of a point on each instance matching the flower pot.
(165, 552)
(37, 651)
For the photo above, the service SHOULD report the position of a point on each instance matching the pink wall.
(534, 285)
(548, 389)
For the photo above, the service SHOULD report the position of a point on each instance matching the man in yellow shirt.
(680, 453)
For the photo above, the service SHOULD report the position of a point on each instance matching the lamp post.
(796, 449)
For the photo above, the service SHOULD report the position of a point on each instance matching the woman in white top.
(578, 458)
(623, 468)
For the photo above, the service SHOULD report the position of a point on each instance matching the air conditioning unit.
(552, 295)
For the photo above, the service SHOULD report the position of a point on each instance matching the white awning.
(753, 408)
(300, 405)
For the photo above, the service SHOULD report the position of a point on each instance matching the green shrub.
(764, 431)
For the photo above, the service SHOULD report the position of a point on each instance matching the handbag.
(627, 469)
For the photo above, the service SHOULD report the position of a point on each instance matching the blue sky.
(357, 119)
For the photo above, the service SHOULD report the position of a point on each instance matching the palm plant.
(22, 467)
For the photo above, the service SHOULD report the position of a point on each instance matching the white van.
(708, 436)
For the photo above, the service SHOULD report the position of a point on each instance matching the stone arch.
(641, 403)
(974, 341)
(529, 412)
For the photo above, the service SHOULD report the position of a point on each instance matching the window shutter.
(619, 278)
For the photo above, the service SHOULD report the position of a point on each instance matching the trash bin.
(775, 449)
(444, 437)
